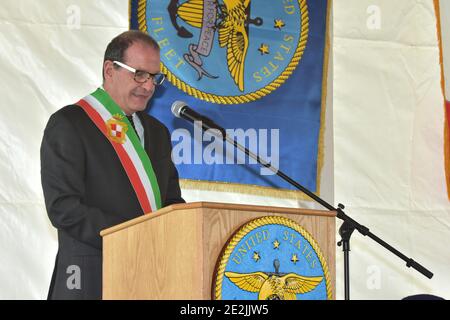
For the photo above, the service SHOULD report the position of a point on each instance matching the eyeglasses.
(141, 76)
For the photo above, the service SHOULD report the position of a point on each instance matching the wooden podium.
(172, 253)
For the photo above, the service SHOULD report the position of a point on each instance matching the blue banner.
(254, 66)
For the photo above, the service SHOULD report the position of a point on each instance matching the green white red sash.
(112, 122)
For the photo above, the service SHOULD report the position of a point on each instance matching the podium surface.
(172, 253)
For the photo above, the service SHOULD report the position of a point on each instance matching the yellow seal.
(272, 258)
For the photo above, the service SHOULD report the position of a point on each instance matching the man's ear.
(108, 69)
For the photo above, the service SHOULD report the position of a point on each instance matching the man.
(105, 161)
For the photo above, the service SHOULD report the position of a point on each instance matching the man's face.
(130, 95)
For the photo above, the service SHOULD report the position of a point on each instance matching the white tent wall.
(385, 127)
(388, 144)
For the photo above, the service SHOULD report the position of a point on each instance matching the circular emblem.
(227, 51)
(272, 258)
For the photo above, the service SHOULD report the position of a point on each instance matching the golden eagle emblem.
(274, 286)
(227, 51)
(233, 34)
(232, 19)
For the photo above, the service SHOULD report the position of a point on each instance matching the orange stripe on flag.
(447, 103)
(447, 146)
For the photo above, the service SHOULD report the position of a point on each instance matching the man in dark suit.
(87, 185)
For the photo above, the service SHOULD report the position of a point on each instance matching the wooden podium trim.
(215, 205)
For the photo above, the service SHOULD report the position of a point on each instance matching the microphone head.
(176, 108)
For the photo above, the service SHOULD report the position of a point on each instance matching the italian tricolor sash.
(112, 122)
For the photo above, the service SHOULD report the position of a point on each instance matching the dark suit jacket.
(86, 190)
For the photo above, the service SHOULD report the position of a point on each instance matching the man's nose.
(148, 85)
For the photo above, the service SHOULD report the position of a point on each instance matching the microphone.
(181, 110)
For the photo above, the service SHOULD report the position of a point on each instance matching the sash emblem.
(117, 129)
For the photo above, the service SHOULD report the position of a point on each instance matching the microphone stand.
(348, 226)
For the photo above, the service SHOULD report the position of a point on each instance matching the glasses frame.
(135, 71)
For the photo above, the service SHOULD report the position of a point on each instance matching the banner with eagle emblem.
(258, 68)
